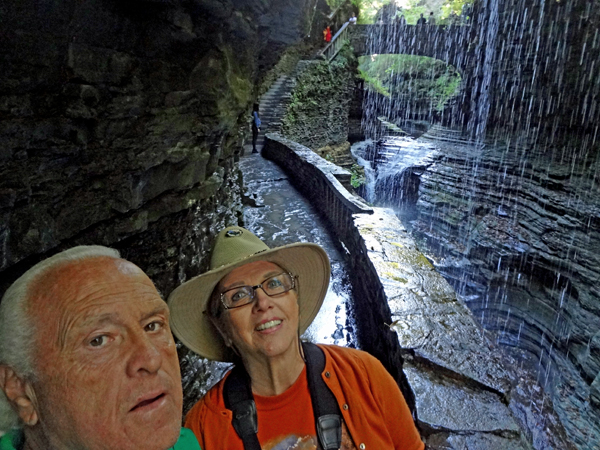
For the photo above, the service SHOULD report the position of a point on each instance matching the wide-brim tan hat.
(235, 247)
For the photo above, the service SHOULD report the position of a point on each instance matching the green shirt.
(13, 440)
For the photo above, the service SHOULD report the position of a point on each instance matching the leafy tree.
(412, 9)
(411, 78)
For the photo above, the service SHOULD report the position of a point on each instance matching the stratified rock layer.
(517, 234)
(465, 392)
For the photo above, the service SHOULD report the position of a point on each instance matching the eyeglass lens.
(242, 295)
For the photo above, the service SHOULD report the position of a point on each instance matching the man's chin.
(155, 431)
(161, 438)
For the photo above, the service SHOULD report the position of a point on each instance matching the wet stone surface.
(426, 314)
(469, 393)
(446, 404)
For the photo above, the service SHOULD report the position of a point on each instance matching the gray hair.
(16, 329)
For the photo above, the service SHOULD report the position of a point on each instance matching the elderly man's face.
(107, 368)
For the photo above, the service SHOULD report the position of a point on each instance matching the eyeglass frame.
(254, 288)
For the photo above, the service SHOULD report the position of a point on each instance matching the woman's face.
(268, 327)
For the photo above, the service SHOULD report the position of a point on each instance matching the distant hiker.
(431, 19)
(255, 127)
(422, 20)
(402, 20)
(327, 34)
(352, 19)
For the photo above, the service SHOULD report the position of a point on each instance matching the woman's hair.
(16, 329)
(255, 107)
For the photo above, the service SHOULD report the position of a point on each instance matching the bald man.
(87, 358)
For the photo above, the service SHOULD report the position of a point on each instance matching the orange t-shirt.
(375, 414)
(286, 420)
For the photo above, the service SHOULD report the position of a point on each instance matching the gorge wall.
(520, 242)
(120, 123)
(507, 204)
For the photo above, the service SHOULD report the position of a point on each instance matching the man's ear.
(20, 394)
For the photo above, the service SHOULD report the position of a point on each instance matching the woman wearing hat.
(250, 308)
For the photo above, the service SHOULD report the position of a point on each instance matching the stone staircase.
(272, 106)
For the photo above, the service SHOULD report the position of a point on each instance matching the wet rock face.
(519, 240)
(120, 122)
(317, 115)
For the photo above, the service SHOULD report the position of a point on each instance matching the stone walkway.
(272, 106)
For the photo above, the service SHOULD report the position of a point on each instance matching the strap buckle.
(330, 431)
(245, 421)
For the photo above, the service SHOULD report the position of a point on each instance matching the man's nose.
(145, 357)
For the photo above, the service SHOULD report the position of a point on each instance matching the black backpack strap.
(239, 399)
(328, 417)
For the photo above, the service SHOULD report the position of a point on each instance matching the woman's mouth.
(267, 325)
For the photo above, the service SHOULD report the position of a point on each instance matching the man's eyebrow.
(111, 317)
(100, 319)
(92, 320)
(162, 309)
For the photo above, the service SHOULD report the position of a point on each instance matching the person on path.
(327, 34)
(250, 308)
(255, 127)
(352, 19)
(431, 19)
(421, 20)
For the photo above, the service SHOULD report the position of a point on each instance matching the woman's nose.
(262, 300)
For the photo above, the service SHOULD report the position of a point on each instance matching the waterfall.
(502, 189)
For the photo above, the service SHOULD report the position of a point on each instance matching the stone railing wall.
(323, 183)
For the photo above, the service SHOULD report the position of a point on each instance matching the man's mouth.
(267, 325)
(147, 402)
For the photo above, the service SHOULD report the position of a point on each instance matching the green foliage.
(318, 85)
(286, 64)
(334, 3)
(418, 77)
(368, 9)
(373, 83)
(319, 100)
(411, 9)
(357, 178)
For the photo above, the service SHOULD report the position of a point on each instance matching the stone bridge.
(456, 45)
(452, 44)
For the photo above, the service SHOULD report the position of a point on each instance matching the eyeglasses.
(243, 295)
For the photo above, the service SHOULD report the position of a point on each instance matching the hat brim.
(308, 262)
